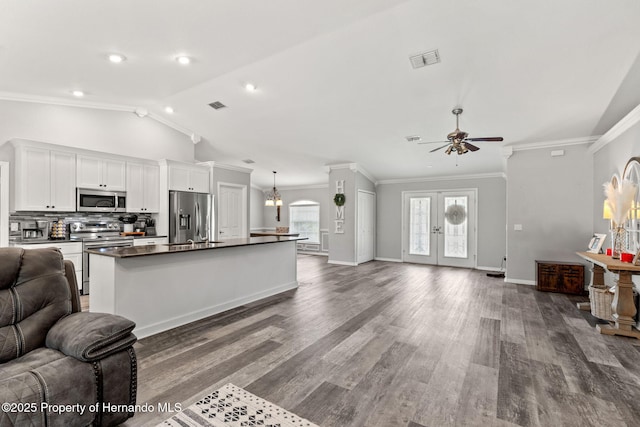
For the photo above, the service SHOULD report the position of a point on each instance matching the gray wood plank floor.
(388, 344)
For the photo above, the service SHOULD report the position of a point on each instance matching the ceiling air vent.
(424, 59)
(217, 105)
(248, 161)
(413, 138)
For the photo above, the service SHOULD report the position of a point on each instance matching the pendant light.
(273, 196)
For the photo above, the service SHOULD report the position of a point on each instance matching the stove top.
(96, 230)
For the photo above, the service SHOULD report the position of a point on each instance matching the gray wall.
(256, 213)
(342, 247)
(222, 175)
(552, 198)
(113, 132)
(320, 195)
(491, 216)
(609, 160)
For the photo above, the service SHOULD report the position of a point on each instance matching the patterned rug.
(231, 406)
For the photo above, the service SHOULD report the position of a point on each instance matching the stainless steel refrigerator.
(191, 216)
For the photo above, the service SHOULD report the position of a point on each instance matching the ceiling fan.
(458, 140)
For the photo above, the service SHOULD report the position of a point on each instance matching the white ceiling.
(334, 80)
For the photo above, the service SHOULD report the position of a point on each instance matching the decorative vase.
(619, 237)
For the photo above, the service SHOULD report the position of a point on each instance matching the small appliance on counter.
(58, 230)
(129, 221)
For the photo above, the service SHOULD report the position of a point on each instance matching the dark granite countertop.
(134, 251)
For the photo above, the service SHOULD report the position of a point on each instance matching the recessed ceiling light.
(117, 58)
(183, 60)
(77, 93)
(168, 110)
(250, 87)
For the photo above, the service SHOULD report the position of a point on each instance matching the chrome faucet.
(191, 241)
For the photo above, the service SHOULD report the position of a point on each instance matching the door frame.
(357, 227)
(244, 207)
(4, 203)
(403, 240)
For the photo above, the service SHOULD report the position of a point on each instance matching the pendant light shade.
(273, 196)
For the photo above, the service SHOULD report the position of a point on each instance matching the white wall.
(115, 132)
(491, 215)
(552, 198)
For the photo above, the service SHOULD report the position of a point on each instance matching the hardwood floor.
(388, 344)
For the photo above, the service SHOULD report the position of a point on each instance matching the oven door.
(96, 245)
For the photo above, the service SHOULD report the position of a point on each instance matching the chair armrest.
(91, 336)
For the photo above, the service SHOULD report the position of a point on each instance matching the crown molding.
(443, 178)
(548, 144)
(234, 168)
(140, 112)
(353, 167)
(616, 130)
(304, 187)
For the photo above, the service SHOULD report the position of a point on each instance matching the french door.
(439, 228)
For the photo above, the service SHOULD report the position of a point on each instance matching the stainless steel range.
(94, 235)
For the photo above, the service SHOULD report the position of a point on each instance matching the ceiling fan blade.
(471, 147)
(440, 148)
(493, 138)
(434, 142)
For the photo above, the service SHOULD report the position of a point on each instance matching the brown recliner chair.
(59, 366)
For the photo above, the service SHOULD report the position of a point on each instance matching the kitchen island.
(164, 286)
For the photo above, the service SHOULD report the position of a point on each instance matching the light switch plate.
(517, 227)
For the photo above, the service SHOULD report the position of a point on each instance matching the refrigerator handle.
(197, 230)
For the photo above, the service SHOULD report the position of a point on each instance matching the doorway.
(439, 227)
(232, 211)
(366, 226)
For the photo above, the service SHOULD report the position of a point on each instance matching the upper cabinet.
(45, 179)
(101, 173)
(143, 188)
(186, 177)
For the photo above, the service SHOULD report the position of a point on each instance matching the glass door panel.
(419, 222)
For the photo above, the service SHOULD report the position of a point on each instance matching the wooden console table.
(623, 306)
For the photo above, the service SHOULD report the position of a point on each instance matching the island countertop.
(137, 251)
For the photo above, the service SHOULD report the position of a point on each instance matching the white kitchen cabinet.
(142, 241)
(143, 188)
(101, 173)
(184, 177)
(71, 251)
(45, 180)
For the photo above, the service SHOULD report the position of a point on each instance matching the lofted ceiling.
(334, 80)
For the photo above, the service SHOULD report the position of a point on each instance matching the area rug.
(231, 406)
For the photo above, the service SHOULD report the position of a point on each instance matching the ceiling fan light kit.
(458, 140)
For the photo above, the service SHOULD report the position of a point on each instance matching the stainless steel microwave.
(89, 200)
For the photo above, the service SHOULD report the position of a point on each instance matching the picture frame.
(596, 242)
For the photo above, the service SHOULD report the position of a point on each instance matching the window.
(304, 218)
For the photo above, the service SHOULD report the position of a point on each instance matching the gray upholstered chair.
(51, 353)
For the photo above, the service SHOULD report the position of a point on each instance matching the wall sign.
(339, 200)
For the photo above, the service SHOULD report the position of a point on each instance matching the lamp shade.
(606, 210)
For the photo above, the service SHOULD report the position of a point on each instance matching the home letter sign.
(339, 221)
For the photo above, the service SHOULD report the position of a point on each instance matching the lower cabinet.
(71, 251)
(555, 276)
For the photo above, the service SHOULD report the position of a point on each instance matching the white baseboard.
(488, 268)
(210, 311)
(351, 264)
(313, 253)
(520, 281)
(388, 259)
